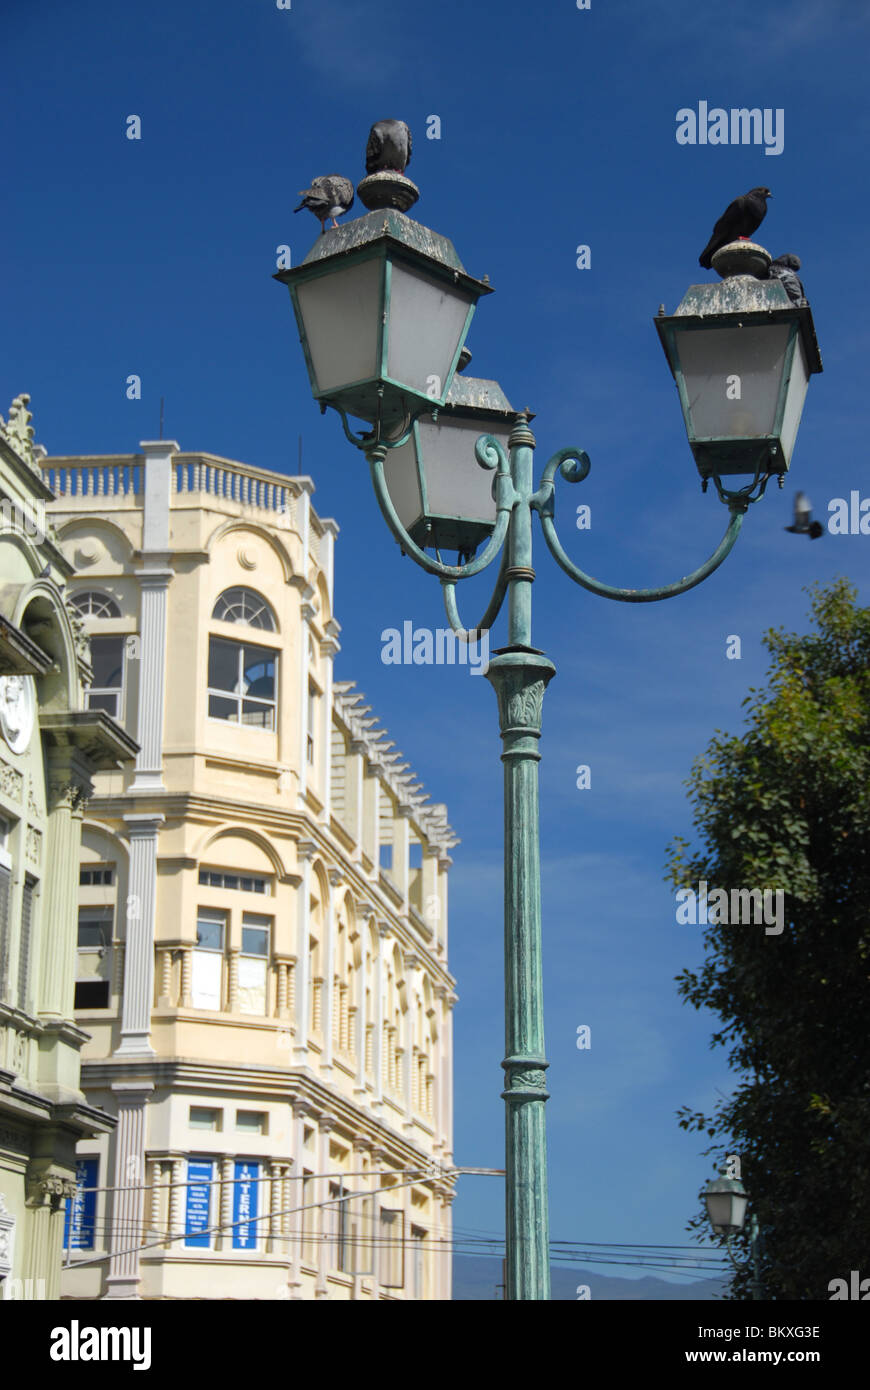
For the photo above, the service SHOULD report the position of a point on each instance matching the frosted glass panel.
(427, 320)
(206, 980)
(342, 315)
(252, 985)
(400, 471)
(455, 482)
(794, 403)
(732, 378)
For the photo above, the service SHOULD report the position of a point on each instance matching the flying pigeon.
(803, 526)
(389, 147)
(783, 269)
(329, 196)
(740, 219)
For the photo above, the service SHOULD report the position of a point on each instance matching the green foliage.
(786, 805)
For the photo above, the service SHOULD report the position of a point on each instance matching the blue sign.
(199, 1179)
(81, 1210)
(246, 1200)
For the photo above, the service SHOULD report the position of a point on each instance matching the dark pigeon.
(803, 523)
(389, 147)
(740, 219)
(329, 196)
(783, 269)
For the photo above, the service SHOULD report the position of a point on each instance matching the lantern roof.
(756, 301)
(476, 393)
(392, 230)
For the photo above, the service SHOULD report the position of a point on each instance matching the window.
(81, 1210)
(107, 661)
(93, 972)
(342, 1248)
(312, 723)
(253, 963)
(245, 883)
(5, 894)
(200, 1185)
(207, 972)
(418, 1262)
(24, 943)
(244, 606)
(203, 1118)
(252, 1122)
(95, 605)
(93, 875)
(241, 683)
(391, 1249)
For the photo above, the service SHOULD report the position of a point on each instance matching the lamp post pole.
(520, 676)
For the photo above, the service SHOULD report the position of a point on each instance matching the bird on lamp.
(739, 220)
(330, 195)
(803, 523)
(388, 148)
(784, 270)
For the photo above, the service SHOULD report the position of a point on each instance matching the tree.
(786, 806)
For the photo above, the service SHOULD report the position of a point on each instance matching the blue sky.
(558, 128)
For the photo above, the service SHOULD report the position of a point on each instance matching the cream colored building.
(51, 747)
(262, 961)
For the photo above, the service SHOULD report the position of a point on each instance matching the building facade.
(262, 957)
(51, 747)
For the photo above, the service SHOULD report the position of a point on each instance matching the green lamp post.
(425, 426)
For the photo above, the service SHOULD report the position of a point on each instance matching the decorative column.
(306, 613)
(362, 1020)
(325, 1125)
(46, 1193)
(177, 1198)
(329, 648)
(186, 977)
(402, 853)
(233, 979)
(305, 852)
(376, 1169)
(330, 1002)
(225, 1235)
(381, 1057)
(141, 915)
(129, 1204)
(412, 963)
(354, 792)
(297, 1218)
(363, 1247)
(68, 786)
(154, 577)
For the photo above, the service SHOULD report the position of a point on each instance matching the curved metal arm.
(474, 634)
(366, 440)
(490, 455)
(574, 466)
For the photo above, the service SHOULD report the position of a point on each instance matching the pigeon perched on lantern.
(330, 195)
(784, 270)
(389, 147)
(739, 220)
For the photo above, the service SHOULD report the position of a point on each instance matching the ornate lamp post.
(726, 1200)
(741, 391)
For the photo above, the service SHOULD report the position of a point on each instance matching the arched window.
(244, 606)
(92, 604)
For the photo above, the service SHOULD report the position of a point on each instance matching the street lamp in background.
(726, 1202)
(383, 306)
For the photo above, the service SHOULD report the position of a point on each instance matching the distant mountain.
(476, 1277)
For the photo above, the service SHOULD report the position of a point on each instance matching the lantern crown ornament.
(741, 353)
(383, 306)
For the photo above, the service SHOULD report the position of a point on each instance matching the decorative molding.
(11, 782)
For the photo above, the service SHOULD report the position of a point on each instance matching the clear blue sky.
(558, 128)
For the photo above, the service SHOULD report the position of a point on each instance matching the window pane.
(218, 708)
(207, 976)
(244, 606)
(223, 664)
(258, 716)
(92, 994)
(210, 932)
(251, 1121)
(91, 935)
(107, 660)
(203, 1118)
(107, 702)
(255, 941)
(252, 985)
(259, 673)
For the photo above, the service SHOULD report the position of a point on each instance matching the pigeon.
(329, 196)
(739, 219)
(803, 525)
(783, 269)
(389, 147)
